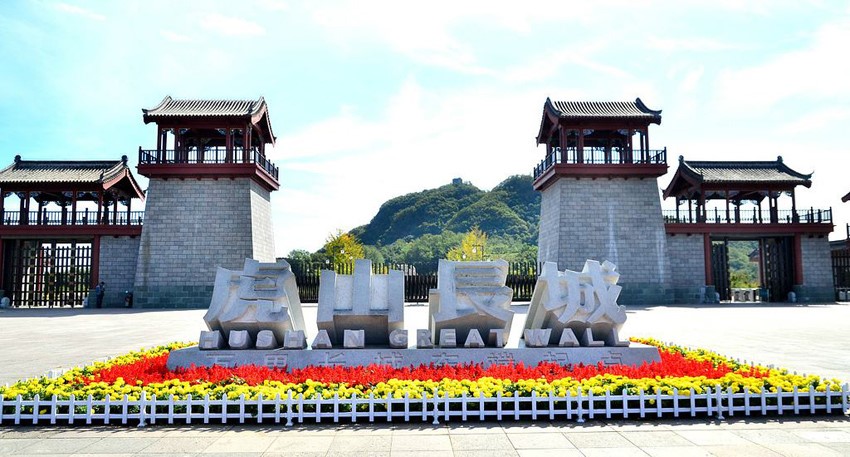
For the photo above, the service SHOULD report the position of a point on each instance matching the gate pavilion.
(55, 217)
(740, 200)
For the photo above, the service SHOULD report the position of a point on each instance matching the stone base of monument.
(634, 355)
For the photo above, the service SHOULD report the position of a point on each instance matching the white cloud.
(175, 37)
(691, 80)
(231, 26)
(827, 120)
(76, 10)
(274, 5)
(818, 70)
(689, 44)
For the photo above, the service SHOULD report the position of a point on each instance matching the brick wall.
(609, 219)
(817, 271)
(118, 257)
(686, 256)
(193, 226)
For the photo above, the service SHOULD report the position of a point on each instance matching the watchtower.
(207, 200)
(600, 197)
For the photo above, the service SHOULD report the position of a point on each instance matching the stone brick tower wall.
(118, 260)
(686, 254)
(192, 227)
(817, 284)
(608, 219)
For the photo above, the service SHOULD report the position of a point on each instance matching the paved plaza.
(805, 338)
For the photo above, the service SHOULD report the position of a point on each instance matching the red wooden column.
(2, 221)
(95, 261)
(74, 208)
(798, 259)
(99, 207)
(115, 211)
(580, 146)
(1, 263)
(129, 202)
(706, 244)
(794, 217)
(228, 145)
(24, 217)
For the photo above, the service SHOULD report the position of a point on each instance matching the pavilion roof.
(100, 174)
(767, 175)
(255, 111)
(565, 112)
(596, 110)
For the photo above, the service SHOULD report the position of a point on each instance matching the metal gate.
(778, 267)
(47, 274)
(841, 273)
(720, 269)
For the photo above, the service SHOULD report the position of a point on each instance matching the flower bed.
(138, 386)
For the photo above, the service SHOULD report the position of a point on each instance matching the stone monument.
(471, 298)
(361, 302)
(255, 307)
(572, 308)
(573, 318)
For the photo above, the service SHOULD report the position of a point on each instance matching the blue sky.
(370, 100)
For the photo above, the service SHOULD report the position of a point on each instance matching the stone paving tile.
(806, 450)
(659, 438)
(461, 428)
(769, 436)
(486, 453)
(443, 453)
(419, 429)
(179, 445)
(294, 454)
(421, 443)
(300, 443)
(378, 443)
(117, 445)
(737, 450)
(843, 448)
(231, 454)
(675, 451)
(92, 432)
(712, 437)
(613, 451)
(823, 436)
(241, 441)
(572, 452)
(598, 439)
(103, 455)
(365, 429)
(551, 440)
(358, 454)
(10, 446)
(57, 446)
(525, 427)
(31, 432)
(481, 442)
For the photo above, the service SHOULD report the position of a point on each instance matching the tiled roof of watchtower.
(770, 174)
(171, 113)
(105, 173)
(749, 172)
(615, 110)
(171, 107)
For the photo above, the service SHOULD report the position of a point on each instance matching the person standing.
(99, 291)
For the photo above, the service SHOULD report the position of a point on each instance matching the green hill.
(420, 226)
(511, 209)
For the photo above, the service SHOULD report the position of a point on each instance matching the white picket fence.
(292, 409)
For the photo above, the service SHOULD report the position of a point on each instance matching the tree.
(471, 248)
(299, 255)
(343, 248)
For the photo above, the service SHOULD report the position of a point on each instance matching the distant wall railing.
(754, 216)
(60, 218)
(601, 156)
(212, 155)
